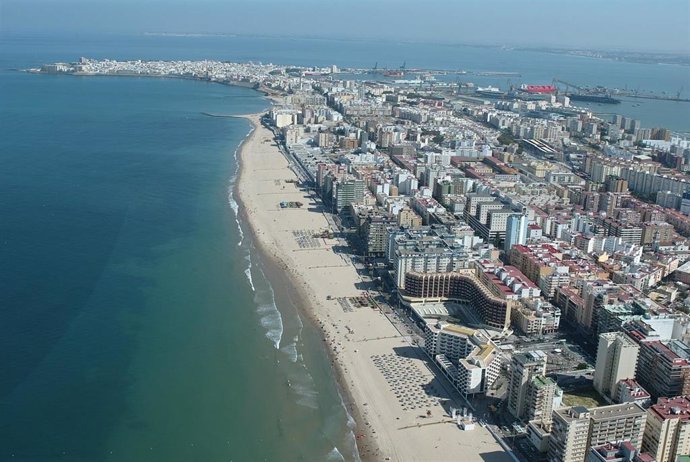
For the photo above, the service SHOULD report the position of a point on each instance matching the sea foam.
(334, 455)
(248, 270)
(236, 210)
(291, 350)
(302, 383)
(271, 319)
(231, 188)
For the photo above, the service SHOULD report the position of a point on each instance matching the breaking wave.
(334, 455)
(291, 350)
(248, 271)
(271, 319)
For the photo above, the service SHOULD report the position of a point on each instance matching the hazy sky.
(604, 24)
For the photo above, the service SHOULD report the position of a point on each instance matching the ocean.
(137, 321)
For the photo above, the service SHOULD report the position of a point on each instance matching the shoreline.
(286, 289)
(401, 407)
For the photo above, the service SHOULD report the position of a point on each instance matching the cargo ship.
(538, 89)
(602, 99)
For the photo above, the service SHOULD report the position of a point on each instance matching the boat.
(603, 99)
(538, 89)
(490, 92)
(393, 74)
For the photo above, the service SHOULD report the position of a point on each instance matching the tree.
(506, 138)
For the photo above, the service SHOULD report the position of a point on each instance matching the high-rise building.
(375, 233)
(576, 429)
(616, 360)
(524, 367)
(663, 368)
(470, 360)
(616, 184)
(667, 433)
(540, 397)
(569, 440)
(516, 231)
(618, 422)
(348, 191)
(407, 218)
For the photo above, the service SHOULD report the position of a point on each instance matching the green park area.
(588, 398)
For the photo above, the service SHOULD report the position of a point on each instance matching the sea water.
(136, 320)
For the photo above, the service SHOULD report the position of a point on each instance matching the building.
(469, 359)
(617, 452)
(576, 429)
(516, 231)
(347, 192)
(616, 360)
(663, 368)
(407, 218)
(535, 317)
(523, 368)
(618, 422)
(569, 441)
(657, 232)
(629, 391)
(375, 233)
(540, 398)
(542, 264)
(462, 286)
(616, 184)
(667, 433)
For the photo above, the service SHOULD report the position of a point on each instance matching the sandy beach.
(388, 385)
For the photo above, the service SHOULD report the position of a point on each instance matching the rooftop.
(672, 408)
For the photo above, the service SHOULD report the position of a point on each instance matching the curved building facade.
(463, 287)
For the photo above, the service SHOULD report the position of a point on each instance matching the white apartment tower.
(616, 360)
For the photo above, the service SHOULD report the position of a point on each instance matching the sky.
(658, 25)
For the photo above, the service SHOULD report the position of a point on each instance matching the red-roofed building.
(629, 391)
(663, 368)
(623, 451)
(667, 432)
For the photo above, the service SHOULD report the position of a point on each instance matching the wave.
(248, 270)
(304, 387)
(334, 454)
(272, 321)
(351, 424)
(236, 210)
(291, 350)
(231, 187)
(271, 318)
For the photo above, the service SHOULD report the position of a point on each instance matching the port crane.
(568, 85)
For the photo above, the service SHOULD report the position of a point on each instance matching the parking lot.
(562, 355)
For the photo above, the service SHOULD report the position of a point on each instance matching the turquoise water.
(130, 330)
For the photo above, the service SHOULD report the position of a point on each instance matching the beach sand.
(387, 383)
